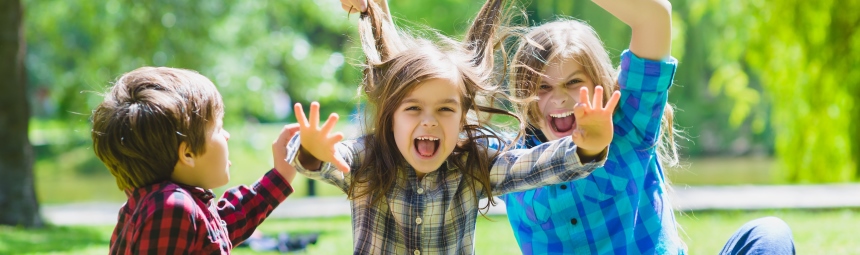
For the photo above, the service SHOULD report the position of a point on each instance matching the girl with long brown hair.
(415, 178)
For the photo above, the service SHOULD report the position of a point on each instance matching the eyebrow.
(443, 101)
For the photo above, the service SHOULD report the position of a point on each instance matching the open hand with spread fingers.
(319, 141)
(594, 128)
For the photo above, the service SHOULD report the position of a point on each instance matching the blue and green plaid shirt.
(621, 208)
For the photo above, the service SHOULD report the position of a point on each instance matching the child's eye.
(573, 82)
(413, 108)
(545, 87)
(449, 109)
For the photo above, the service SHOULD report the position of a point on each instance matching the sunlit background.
(765, 94)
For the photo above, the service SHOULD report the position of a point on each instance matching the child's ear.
(186, 157)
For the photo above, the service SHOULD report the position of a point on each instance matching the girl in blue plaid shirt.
(415, 179)
(623, 207)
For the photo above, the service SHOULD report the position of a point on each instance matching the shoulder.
(170, 199)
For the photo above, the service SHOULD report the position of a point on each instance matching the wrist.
(590, 155)
(307, 160)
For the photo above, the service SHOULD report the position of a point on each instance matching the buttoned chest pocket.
(531, 205)
(604, 183)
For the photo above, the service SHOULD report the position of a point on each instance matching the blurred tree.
(805, 54)
(17, 193)
(262, 55)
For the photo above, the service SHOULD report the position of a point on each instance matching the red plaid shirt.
(171, 218)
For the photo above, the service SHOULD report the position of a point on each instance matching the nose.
(226, 134)
(558, 96)
(429, 121)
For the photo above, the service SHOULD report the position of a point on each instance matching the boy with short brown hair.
(160, 132)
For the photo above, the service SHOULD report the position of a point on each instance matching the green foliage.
(755, 78)
(808, 63)
(804, 54)
(258, 53)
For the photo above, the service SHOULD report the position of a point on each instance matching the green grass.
(815, 232)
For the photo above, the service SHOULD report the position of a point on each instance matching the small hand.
(353, 6)
(279, 152)
(594, 128)
(356, 6)
(319, 141)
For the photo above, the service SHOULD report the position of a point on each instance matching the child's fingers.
(336, 137)
(286, 134)
(598, 97)
(315, 115)
(300, 115)
(579, 109)
(583, 97)
(329, 124)
(613, 101)
(341, 164)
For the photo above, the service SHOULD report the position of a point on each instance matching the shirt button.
(420, 191)
(418, 220)
(563, 186)
(573, 221)
(416, 252)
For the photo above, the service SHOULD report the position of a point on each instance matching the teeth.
(427, 138)
(561, 115)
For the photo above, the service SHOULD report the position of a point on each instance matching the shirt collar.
(136, 194)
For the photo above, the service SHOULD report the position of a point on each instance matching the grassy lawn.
(815, 232)
(67, 171)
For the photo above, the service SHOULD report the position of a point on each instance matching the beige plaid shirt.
(437, 215)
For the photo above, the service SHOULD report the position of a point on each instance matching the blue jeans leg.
(768, 235)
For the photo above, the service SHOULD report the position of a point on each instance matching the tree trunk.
(18, 205)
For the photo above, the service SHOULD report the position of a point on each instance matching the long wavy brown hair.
(396, 63)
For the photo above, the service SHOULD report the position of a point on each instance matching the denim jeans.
(768, 235)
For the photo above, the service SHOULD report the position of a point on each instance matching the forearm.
(553, 162)
(650, 22)
(243, 208)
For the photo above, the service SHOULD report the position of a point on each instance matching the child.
(415, 180)
(159, 131)
(621, 208)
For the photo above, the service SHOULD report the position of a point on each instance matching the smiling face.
(427, 124)
(558, 94)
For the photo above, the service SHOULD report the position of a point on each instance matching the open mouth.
(426, 146)
(562, 122)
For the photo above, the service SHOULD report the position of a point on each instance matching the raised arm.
(651, 22)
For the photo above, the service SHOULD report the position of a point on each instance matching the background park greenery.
(766, 90)
(757, 79)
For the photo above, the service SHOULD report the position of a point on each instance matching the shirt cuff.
(292, 157)
(644, 74)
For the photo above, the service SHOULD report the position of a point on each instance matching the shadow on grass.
(15, 240)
